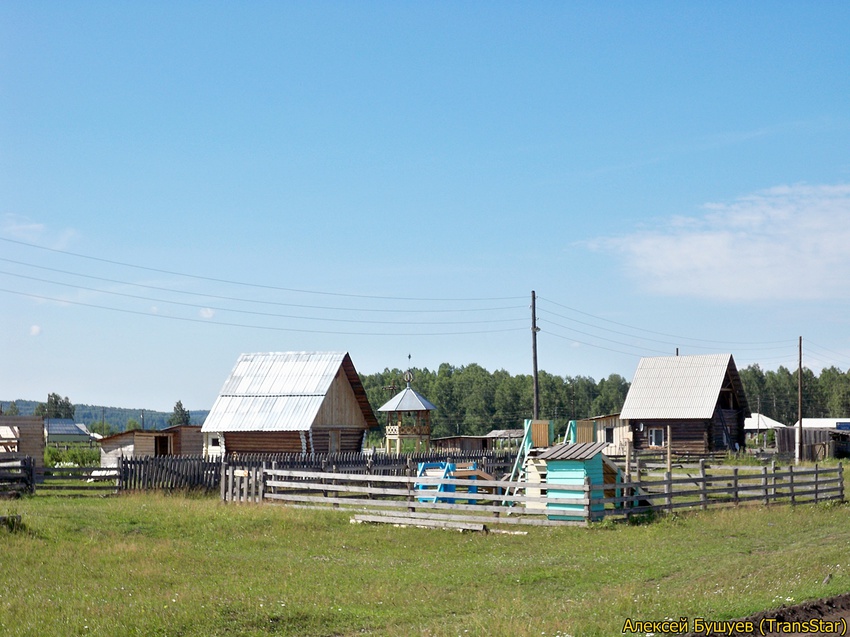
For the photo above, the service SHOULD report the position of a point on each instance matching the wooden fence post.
(816, 482)
(668, 489)
(735, 497)
(840, 482)
(587, 494)
(773, 480)
(703, 496)
(764, 485)
(791, 483)
(223, 480)
(407, 472)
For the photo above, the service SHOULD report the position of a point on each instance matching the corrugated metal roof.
(679, 387)
(64, 427)
(407, 400)
(506, 433)
(276, 391)
(577, 451)
(760, 421)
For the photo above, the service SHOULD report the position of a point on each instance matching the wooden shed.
(23, 435)
(289, 402)
(180, 440)
(699, 400)
(567, 468)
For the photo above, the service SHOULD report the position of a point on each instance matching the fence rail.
(505, 502)
(77, 480)
(17, 474)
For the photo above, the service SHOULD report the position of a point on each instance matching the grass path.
(170, 565)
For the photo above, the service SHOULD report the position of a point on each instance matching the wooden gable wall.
(340, 408)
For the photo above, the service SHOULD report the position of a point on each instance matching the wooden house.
(23, 435)
(699, 400)
(180, 440)
(289, 402)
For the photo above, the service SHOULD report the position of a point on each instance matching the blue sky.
(184, 182)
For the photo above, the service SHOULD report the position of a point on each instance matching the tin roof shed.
(286, 391)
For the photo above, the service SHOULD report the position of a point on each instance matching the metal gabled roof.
(681, 387)
(576, 451)
(407, 400)
(760, 421)
(280, 391)
(64, 427)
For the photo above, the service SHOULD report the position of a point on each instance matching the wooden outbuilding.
(698, 401)
(289, 402)
(568, 466)
(23, 435)
(180, 440)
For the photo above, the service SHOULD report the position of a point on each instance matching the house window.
(214, 442)
(656, 437)
(609, 435)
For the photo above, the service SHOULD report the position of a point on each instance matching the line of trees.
(472, 401)
(775, 393)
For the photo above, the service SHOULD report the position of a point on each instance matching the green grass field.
(179, 566)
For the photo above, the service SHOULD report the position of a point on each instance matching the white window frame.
(653, 435)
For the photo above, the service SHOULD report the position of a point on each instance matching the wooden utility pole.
(535, 412)
(800, 403)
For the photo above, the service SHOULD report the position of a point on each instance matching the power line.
(252, 285)
(259, 327)
(257, 301)
(255, 313)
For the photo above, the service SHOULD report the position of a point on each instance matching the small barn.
(23, 435)
(180, 440)
(699, 400)
(289, 402)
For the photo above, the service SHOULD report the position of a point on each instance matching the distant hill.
(118, 417)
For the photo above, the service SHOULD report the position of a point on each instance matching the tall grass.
(186, 566)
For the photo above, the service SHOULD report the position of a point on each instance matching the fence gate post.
(703, 496)
(668, 489)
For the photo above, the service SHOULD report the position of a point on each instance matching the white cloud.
(207, 313)
(785, 243)
(35, 330)
(20, 227)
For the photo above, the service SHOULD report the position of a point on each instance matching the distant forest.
(116, 418)
(472, 401)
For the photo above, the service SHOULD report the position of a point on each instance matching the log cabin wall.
(689, 436)
(265, 442)
(349, 439)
